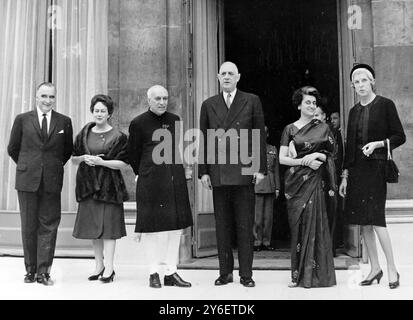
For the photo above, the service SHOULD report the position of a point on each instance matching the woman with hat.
(371, 121)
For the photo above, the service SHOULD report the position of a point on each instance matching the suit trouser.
(162, 248)
(264, 211)
(40, 214)
(234, 213)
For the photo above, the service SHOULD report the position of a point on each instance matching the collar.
(156, 115)
(40, 113)
(233, 93)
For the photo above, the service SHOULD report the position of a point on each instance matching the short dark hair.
(45, 84)
(298, 95)
(105, 99)
(322, 108)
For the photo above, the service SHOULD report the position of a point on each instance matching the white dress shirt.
(48, 118)
(233, 93)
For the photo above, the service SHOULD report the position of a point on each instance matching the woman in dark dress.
(371, 121)
(100, 151)
(307, 146)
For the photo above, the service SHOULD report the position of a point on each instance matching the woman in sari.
(306, 147)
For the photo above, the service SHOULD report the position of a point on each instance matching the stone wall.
(393, 61)
(146, 47)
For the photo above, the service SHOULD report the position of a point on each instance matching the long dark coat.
(161, 191)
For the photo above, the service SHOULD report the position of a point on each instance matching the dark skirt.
(99, 220)
(366, 193)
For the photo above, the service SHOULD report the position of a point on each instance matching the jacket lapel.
(53, 122)
(36, 124)
(220, 108)
(237, 105)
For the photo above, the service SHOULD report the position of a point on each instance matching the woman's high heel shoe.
(395, 284)
(108, 279)
(96, 276)
(377, 277)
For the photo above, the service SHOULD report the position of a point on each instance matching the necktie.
(228, 102)
(44, 128)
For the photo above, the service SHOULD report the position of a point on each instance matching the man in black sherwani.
(163, 209)
(41, 142)
(234, 113)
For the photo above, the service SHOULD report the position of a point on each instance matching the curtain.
(208, 50)
(80, 68)
(23, 64)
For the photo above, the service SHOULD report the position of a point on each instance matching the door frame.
(205, 53)
(353, 45)
(356, 44)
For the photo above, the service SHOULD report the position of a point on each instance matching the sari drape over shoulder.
(312, 263)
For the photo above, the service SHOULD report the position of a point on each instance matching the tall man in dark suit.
(228, 114)
(41, 142)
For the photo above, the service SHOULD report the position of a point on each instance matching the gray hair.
(151, 89)
(231, 64)
(45, 84)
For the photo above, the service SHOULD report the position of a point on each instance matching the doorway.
(279, 46)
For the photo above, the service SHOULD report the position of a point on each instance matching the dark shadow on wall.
(279, 46)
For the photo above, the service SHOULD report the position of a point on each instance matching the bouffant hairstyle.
(298, 95)
(106, 100)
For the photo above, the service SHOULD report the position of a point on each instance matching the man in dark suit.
(233, 114)
(41, 142)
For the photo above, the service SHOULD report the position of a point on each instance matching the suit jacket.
(245, 113)
(383, 123)
(37, 161)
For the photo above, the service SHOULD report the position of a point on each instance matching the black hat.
(359, 66)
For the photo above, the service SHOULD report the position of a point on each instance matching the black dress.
(367, 188)
(97, 219)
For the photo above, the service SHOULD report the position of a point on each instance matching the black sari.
(312, 263)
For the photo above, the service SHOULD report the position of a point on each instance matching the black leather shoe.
(108, 279)
(44, 278)
(96, 276)
(30, 277)
(268, 248)
(376, 277)
(224, 279)
(247, 282)
(175, 280)
(257, 248)
(154, 281)
(395, 284)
